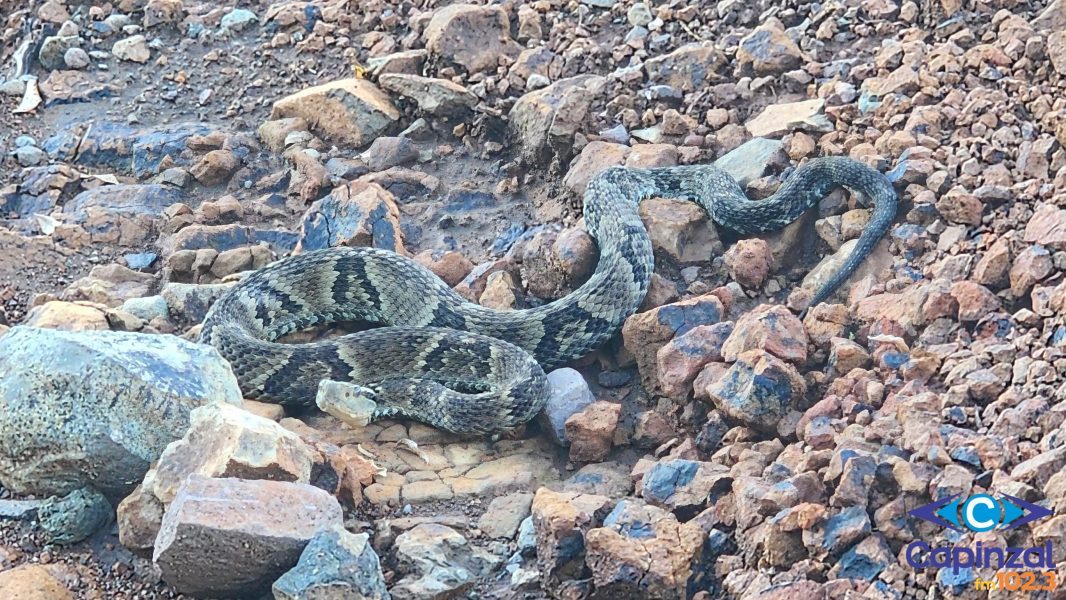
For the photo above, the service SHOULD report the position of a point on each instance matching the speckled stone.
(95, 407)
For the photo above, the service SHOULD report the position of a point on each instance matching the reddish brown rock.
(560, 521)
(959, 206)
(474, 37)
(215, 167)
(975, 300)
(994, 265)
(652, 429)
(749, 262)
(680, 360)
(1032, 266)
(591, 431)
(772, 328)
(31, 582)
(643, 334)
(680, 229)
(758, 390)
(845, 355)
(451, 266)
(1047, 227)
(643, 551)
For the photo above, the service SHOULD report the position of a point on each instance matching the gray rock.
(235, 537)
(94, 408)
(437, 562)
(30, 156)
(147, 308)
(569, 395)
(25, 140)
(54, 48)
(547, 119)
(76, 58)
(74, 517)
(238, 18)
(335, 565)
(749, 161)
(434, 96)
(505, 514)
(125, 200)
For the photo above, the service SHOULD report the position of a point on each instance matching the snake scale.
(468, 369)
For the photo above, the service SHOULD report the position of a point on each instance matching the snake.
(433, 356)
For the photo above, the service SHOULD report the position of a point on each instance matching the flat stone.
(779, 119)
(32, 582)
(436, 562)
(353, 111)
(505, 514)
(231, 537)
(433, 96)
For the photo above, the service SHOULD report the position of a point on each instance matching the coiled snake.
(469, 369)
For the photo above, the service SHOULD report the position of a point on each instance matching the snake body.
(465, 368)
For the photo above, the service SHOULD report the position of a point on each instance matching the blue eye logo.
(980, 512)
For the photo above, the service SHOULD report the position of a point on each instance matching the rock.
(878, 261)
(68, 316)
(749, 262)
(215, 167)
(436, 562)
(546, 120)
(994, 265)
(386, 152)
(505, 514)
(778, 119)
(652, 430)
(334, 564)
(749, 161)
(643, 552)
(691, 67)
(1047, 227)
(274, 133)
(110, 285)
(133, 49)
(74, 517)
(502, 292)
(560, 521)
(434, 96)
(684, 486)
(356, 214)
(76, 59)
(591, 431)
(595, 157)
(451, 266)
(975, 300)
(845, 355)
(353, 111)
(160, 12)
(104, 429)
(680, 229)
(1031, 266)
(474, 37)
(238, 19)
(865, 560)
(768, 51)
(569, 394)
(230, 537)
(758, 390)
(958, 206)
(682, 358)
(772, 328)
(227, 441)
(54, 49)
(553, 264)
(32, 582)
(643, 334)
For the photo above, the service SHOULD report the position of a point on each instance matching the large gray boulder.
(94, 408)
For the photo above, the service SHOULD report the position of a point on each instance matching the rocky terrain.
(152, 152)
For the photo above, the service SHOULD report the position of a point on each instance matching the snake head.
(351, 403)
